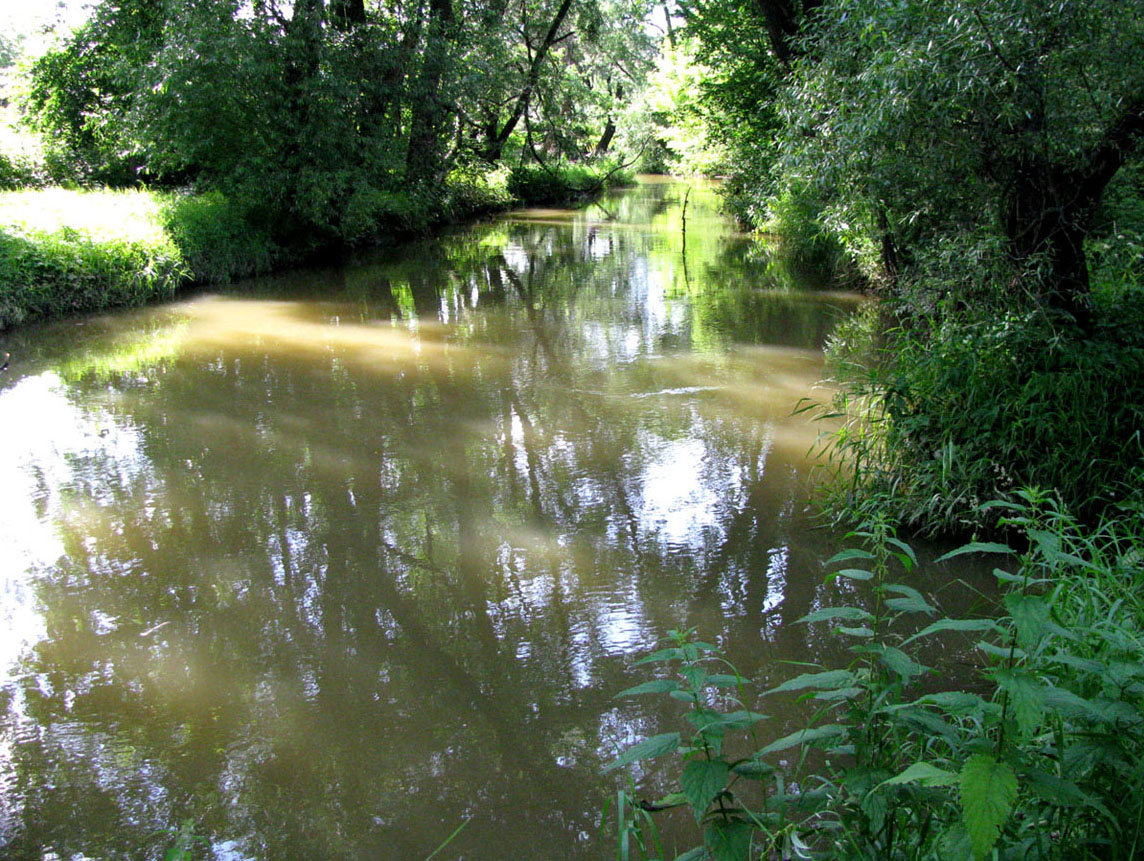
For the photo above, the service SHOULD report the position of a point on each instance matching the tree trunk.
(423, 158)
(495, 145)
(606, 137)
(1048, 211)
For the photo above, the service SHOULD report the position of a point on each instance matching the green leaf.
(753, 769)
(824, 681)
(954, 625)
(907, 551)
(847, 555)
(977, 547)
(988, 790)
(840, 694)
(954, 843)
(741, 719)
(702, 780)
(913, 602)
(1055, 790)
(953, 702)
(807, 736)
(925, 774)
(853, 574)
(649, 748)
(661, 655)
(1026, 697)
(901, 664)
(725, 680)
(862, 632)
(1031, 616)
(728, 840)
(656, 686)
(851, 614)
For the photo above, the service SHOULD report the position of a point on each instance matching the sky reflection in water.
(334, 561)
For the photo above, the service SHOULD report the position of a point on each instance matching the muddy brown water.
(328, 564)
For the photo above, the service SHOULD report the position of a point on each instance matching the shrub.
(473, 190)
(218, 240)
(958, 410)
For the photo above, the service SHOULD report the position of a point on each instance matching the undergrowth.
(1042, 758)
(935, 417)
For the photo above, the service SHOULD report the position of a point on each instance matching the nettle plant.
(1042, 756)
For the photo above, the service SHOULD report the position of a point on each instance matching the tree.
(1005, 119)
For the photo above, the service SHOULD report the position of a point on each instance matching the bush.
(535, 184)
(961, 410)
(474, 190)
(217, 239)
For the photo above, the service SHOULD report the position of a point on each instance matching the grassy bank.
(66, 252)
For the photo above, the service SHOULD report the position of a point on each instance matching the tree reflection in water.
(362, 554)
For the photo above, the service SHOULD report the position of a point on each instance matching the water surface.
(327, 564)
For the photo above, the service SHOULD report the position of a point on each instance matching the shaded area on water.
(339, 560)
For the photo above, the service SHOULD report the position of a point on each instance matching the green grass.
(65, 251)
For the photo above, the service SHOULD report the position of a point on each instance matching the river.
(328, 564)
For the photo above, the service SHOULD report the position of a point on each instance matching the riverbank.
(72, 251)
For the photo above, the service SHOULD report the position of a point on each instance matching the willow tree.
(950, 119)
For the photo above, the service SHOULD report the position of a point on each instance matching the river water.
(328, 564)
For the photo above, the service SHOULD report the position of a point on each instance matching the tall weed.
(1041, 757)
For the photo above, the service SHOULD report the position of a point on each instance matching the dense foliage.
(1041, 756)
(331, 122)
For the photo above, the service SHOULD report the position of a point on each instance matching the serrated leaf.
(977, 547)
(725, 680)
(847, 555)
(901, 664)
(696, 677)
(913, 602)
(954, 625)
(840, 694)
(1002, 652)
(661, 655)
(649, 748)
(1026, 698)
(656, 686)
(806, 736)
(907, 551)
(741, 719)
(753, 769)
(1054, 790)
(702, 780)
(925, 774)
(672, 799)
(855, 632)
(953, 702)
(988, 790)
(850, 614)
(1031, 616)
(824, 681)
(953, 844)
